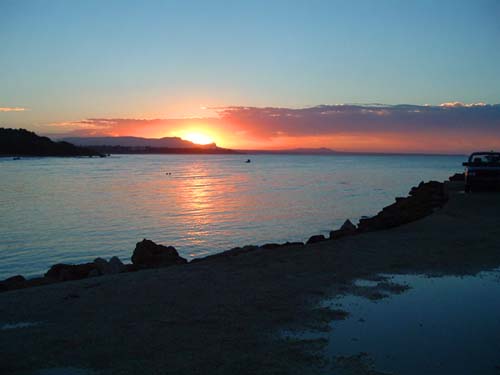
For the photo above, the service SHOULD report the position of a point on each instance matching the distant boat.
(248, 161)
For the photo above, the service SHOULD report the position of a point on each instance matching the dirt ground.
(222, 316)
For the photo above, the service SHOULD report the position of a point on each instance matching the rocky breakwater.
(68, 272)
(147, 254)
(422, 201)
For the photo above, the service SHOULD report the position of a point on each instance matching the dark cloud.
(449, 127)
(367, 119)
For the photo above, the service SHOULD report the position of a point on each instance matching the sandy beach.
(223, 315)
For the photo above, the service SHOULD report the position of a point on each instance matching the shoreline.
(421, 201)
(221, 315)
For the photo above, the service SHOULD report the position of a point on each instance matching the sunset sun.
(198, 138)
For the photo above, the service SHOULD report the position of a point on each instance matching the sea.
(72, 210)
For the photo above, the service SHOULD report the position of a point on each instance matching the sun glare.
(198, 138)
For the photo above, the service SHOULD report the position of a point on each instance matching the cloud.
(460, 104)
(449, 127)
(365, 119)
(127, 127)
(12, 109)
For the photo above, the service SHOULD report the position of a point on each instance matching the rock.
(269, 246)
(18, 279)
(102, 266)
(457, 177)
(149, 254)
(347, 229)
(422, 201)
(315, 239)
(116, 265)
(66, 272)
(14, 282)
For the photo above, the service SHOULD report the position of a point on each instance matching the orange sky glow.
(446, 128)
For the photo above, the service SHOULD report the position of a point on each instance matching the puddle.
(17, 325)
(366, 283)
(441, 325)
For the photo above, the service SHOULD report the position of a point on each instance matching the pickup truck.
(482, 171)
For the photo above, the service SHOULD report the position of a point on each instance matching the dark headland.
(21, 142)
(221, 314)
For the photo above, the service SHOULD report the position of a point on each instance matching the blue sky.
(71, 60)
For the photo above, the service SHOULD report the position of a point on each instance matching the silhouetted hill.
(162, 150)
(166, 142)
(25, 143)
(137, 145)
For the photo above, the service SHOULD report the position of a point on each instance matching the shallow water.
(445, 325)
(76, 209)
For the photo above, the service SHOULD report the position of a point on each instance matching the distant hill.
(167, 142)
(137, 145)
(21, 142)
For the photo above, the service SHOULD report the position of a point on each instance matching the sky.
(389, 76)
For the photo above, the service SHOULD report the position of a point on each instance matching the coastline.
(219, 315)
(421, 201)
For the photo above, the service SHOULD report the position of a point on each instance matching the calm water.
(73, 210)
(441, 326)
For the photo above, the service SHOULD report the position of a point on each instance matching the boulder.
(347, 229)
(66, 272)
(102, 266)
(114, 266)
(149, 254)
(457, 177)
(18, 279)
(315, 239)
(14, 282)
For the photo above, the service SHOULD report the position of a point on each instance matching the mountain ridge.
(129, 141)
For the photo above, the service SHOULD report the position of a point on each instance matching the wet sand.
(221, 316)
